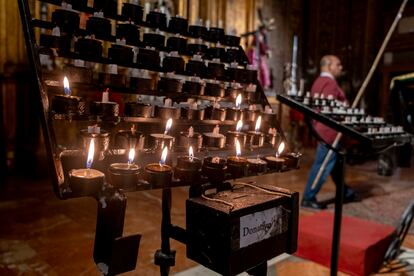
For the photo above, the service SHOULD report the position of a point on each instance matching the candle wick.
(88, 172)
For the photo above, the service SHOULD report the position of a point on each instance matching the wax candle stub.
(105, 96)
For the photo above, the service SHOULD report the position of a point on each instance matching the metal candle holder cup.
(212, 140)
(275, 163)
(234, 114)
(293, 160)
(273, 139)
(188, 169)
(215, 113)
(195, 141)
(158, 176)
(124, 176)
(237, 166)
(127, 139)
(101, 141)
(158, 141)
(232, 136)
(164, 112)
(86, 182)
(215, 169)
(255, 139)
(256, 166)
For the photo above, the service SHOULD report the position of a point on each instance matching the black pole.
(165, 257)
(336, 238)
(166, 220)
(109, 226)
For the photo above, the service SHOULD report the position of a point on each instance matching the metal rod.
(363, 87)
(339, 195)
(165, 230)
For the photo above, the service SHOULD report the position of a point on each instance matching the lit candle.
(161, 140)
(86, 182)
(276, 162)
(256, 138)
(235, 114)
(232, 136)
(188, 168)
(258, 122)
(237, 165)
(66, 103)
(125, 175)
(159, 175)
(168, 126)
(66, 86)
(238, 101)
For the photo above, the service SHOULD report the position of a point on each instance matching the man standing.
(325, 85)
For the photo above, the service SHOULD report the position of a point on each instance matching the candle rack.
(372, 132)
(106, 134)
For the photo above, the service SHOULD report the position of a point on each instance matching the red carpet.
(363, 243)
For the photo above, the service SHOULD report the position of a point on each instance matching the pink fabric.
(327, 86)
(264, 74)
(362, 248)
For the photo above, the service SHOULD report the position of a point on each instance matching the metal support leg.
(165, 257)
(113, 253)
(339, 182)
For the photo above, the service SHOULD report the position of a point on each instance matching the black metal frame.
(378, 145)
(339, 181)
(111, 248)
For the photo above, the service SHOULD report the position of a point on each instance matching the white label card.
(262, 225)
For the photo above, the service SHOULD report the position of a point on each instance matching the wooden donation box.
(235, 230)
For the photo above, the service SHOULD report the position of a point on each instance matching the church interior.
(206, 137)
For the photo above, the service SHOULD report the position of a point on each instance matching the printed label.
(262, 225)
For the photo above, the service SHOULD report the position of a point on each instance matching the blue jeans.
(321, 151)
(330, 169)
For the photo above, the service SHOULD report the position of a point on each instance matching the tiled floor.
(41, 235)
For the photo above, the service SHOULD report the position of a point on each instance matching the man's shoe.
(313, 204)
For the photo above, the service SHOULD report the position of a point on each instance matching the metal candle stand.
(111, 176)
(377, 143)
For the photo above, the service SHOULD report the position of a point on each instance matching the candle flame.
(191, 153)
(239, 125)
(238, 100)
(280, 149)
(91, 152)
(238, 150)
(131, 156)
(258, 123)
(163, 156)
(66, 87)
(168, 125)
